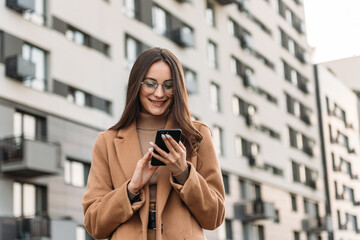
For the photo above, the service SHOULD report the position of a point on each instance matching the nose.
(159, 92)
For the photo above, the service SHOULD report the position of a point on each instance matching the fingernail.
(151, 143)
(163, 136)
(167, 135)
(150, 149)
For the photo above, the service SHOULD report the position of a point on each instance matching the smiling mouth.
(160, 103)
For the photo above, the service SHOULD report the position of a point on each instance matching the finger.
(158, 149)
(182, 146)
(160, 158)
(169, 145)
(173, 143)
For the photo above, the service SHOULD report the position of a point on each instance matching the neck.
(151, 122)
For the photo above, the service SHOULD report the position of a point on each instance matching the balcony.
(18, 68)
(21, 6)
(7, 228)
(33, 227)
(25, 228)
(317, 224)
(29, 158)
(254, 210)
(183, 36)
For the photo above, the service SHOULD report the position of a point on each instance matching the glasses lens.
(168, 87)
(149, 86)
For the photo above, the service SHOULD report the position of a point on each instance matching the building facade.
(338, 107)
(63, 75)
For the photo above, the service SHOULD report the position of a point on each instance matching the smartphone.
(174, 133)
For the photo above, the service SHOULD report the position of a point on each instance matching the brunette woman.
(126, 197)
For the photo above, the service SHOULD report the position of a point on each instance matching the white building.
(338, 104)
(63, 72)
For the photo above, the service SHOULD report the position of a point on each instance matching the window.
(254, 232)
(133, 48)
(258, 232)
(38, 57)
(352, 222)
(29, 126)
(80, 97)
(228, 228)
(217, 136)
(249, 149)
(349, 194)
(293, 202)
(226, 183)
(296, 235)
(191, 81)
(231, 27)
(215, 97)
(131, 8)
(159, 20)
(311, 208)
(210, 14)
(212, 54)
(340, 225)
(29, 200)
(240, 107)
(293, 48)
(77, 36)
(36, 15)
(76, 172)
(297, 109)
(310, 177)
(277, 216)
(296, 172)
(269, 131)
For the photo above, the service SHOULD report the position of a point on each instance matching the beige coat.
(182, 211)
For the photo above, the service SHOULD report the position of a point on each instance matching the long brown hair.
(180, 110)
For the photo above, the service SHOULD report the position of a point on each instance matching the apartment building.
(338, 106)
(63, 72)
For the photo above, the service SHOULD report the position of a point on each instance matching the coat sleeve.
(203, 192)
(105, 208)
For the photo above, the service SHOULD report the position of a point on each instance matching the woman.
(126, 197)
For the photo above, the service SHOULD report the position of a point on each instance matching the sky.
(333, 28)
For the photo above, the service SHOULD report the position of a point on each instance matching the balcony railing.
(254, 210)
(33, 227)
(29, 158)
(37, 227)
(317, 224)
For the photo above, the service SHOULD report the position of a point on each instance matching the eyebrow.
(156, 80)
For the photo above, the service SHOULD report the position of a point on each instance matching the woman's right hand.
(142, 173)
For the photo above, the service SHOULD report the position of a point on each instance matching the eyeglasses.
(149, 86)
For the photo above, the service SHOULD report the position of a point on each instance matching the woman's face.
(158, 102)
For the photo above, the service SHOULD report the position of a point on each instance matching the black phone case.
(174, 133)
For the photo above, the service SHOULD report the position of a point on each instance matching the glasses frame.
(157, 85)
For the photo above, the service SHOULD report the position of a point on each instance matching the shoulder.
(105, 136)
(202, 127)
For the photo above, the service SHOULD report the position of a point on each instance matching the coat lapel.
(128, 152)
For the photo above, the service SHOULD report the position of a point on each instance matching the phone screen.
(174, 133)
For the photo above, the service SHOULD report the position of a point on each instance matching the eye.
(150, 83)
(168, 84)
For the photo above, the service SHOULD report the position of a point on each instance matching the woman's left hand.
(175, 160)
